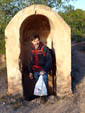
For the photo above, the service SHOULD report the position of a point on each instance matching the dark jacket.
(40, 58)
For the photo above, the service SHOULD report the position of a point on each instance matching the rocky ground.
(73, 104)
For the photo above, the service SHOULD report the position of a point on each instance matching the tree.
(76, 20)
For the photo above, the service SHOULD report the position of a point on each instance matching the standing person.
(40, 62)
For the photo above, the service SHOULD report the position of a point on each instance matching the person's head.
(36, 40)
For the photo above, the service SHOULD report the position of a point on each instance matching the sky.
(79, 4)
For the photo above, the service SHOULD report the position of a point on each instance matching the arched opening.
(34, 24)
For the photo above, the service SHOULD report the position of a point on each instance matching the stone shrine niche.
(55, 33)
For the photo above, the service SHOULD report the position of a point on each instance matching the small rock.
(4, 103)
(12, 100)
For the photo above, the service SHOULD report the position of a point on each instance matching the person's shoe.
(43, 99)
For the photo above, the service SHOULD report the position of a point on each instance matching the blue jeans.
(45, 77)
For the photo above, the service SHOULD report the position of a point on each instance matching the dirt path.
(72, 104)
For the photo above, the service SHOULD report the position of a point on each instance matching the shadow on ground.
(78, 64)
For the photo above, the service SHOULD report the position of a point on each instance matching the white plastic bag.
(40, 87)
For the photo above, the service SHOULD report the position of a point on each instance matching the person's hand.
(42, 72)
(30, 75)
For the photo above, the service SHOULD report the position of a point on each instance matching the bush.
(2, 46)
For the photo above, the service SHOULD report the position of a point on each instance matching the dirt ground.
(73, 104)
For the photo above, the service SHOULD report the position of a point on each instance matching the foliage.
(2, 46)
(76, 20)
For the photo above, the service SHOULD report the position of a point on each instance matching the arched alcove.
(34, 24)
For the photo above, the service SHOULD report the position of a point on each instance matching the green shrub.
(2, 46)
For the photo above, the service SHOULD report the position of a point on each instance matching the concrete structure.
(54, 32)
